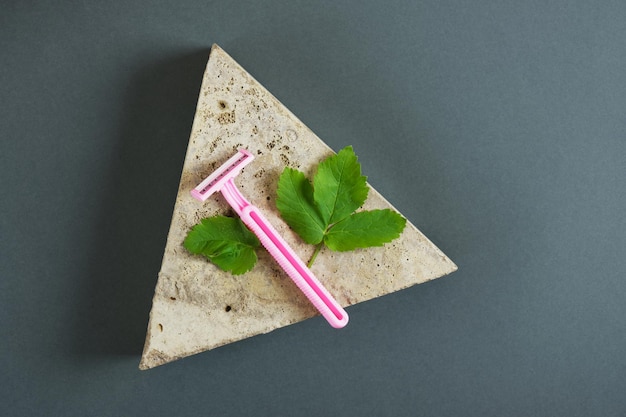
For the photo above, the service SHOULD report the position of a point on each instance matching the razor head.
(229, 170)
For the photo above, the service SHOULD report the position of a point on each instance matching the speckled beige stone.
(197, 307)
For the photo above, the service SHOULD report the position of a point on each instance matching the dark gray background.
(497, 127)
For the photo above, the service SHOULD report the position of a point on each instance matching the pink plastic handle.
(299, 273)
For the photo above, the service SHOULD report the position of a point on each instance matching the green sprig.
(324, 213)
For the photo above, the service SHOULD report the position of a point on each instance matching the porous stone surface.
(196, 306)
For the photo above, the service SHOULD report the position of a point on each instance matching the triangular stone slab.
(197, 307)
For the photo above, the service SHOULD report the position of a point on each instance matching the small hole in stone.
(222, 104)
(173, 298)
(160, 327)
(268, 198)
(228, 308)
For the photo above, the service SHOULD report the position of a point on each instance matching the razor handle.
(299, 273)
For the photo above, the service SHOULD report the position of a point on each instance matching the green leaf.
(323, 213)
(296, 206)
(365, 229)
(225, 241)
(339, 187)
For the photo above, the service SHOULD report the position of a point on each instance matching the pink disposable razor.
(223, 180)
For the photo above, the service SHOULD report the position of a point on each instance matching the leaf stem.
(318, 248)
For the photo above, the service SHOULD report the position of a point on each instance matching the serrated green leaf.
(295, 203)
(339, 187)
(365, 229)
(324, 211)
(225, 241)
